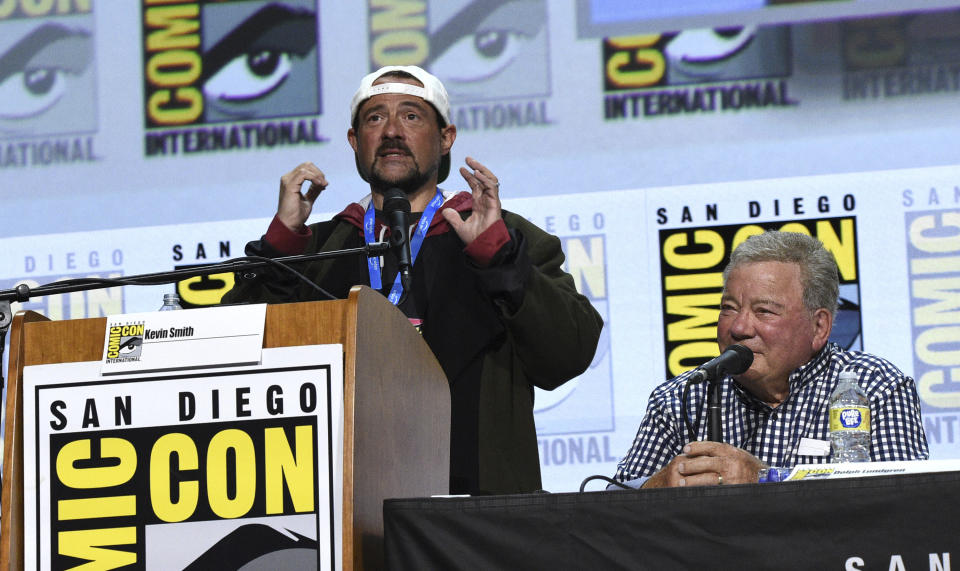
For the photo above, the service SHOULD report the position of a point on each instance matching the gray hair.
(818, 268)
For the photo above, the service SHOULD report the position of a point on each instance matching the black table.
(855, 523)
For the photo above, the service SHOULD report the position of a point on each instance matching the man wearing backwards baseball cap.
(488, 290)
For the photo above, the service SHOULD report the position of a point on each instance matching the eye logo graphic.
(480, 49)
(266, 63)
(125, 343)
(131, 346)
(229, 61)
(260, 546)
(46, 77)
(493, 49)
(696, 57)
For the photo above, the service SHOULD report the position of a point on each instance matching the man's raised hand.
(294, 207)
(486, 202)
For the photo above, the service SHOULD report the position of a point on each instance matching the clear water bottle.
(850, 420)
(171, 302)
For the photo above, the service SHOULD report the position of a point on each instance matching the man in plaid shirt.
(779, 300)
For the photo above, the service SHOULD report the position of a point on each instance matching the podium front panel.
(221, 467)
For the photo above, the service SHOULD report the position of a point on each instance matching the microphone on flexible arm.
(396, 206)
(735, 360)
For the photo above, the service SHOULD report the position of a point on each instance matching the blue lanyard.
(373, 263)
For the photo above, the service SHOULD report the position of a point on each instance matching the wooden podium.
(396, 408)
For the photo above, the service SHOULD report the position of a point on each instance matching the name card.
(861, 469)
(170, 340)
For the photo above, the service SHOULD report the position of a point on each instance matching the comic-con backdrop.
(145, 136)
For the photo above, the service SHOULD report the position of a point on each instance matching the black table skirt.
(856, 523)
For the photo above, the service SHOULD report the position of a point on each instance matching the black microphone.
(735, 360)
(396, 206)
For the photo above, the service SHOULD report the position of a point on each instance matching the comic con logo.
(125, 342)
(691, 266)
(746, 59)
(933, 260)
(492, 51)
(47, 81)
(228, 61)
(221, 475)
(905, 55)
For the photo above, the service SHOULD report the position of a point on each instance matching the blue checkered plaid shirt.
(773, 434)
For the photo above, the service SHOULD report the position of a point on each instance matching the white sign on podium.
(186, 468)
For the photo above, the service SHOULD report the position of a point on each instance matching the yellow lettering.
(693, 281)
(128, 330)
(191, 96)
(394, 15)
(90, 508)
(281, 466)
(637, 65)
(177, 27)
(947, 336)
(113, 344)
(587, 268)
(945, 308)
(174, 68)
(205, 296)
(160, 471)
(245, 473)
(36, 7)
(708, 259)
(695, 350)
(945, 236)
(96, 477)
(400, 47)
(86, 544)
(843, 247)
(935, 265)
(743, 233)
(927, 387)
(702, 321)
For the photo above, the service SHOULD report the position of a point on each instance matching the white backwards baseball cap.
(432, 92)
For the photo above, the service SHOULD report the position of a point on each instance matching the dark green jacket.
(497, 332)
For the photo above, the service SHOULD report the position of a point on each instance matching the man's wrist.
(485, 247)
(285, 240)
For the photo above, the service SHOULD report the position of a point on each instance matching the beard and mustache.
(409, 182)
